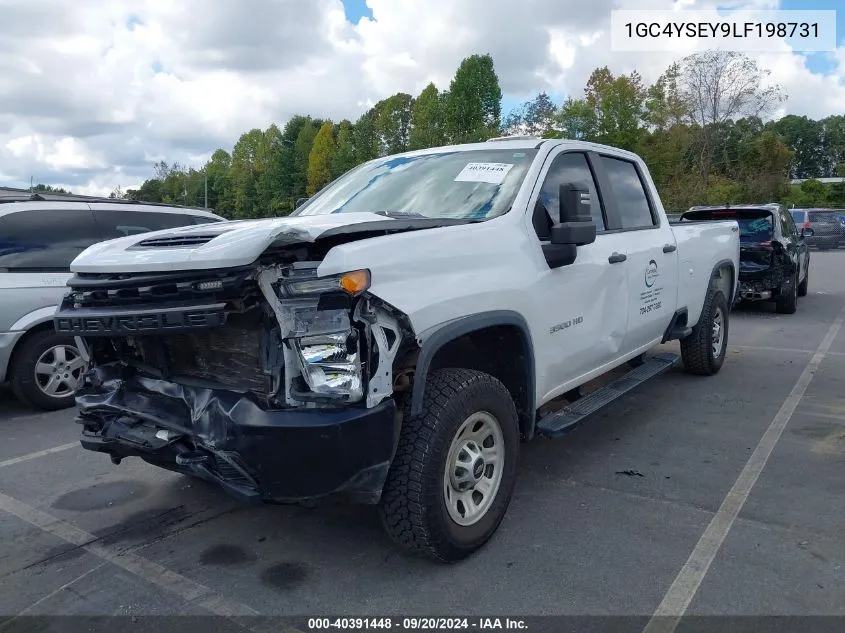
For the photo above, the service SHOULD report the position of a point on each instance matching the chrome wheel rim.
(718, 332)
(474, 467)
(58, 371)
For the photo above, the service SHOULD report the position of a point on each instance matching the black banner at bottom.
(422, 624)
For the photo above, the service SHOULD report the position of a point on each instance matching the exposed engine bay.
(213, 372)
(279, 332)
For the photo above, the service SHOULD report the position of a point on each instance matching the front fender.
(436, 338)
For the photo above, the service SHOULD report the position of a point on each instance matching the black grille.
(229, 472)
(116, 290)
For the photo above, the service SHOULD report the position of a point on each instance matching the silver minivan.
(40, 234)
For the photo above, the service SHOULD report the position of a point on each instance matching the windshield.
(468, 185)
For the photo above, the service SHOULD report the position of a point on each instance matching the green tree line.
(702, 129)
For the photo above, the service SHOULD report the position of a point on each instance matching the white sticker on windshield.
(493, 173)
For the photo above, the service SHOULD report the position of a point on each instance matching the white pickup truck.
(396, 338)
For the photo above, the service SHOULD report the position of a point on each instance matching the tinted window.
(798, 216)
(123, 223)
(569, 168)
(41, 240)
(634, 210)
(823, 217)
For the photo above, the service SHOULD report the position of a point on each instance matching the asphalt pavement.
(704, 496)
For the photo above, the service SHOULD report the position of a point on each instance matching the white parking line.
(686, 584)
(43, 599)
(181, 586)
(783, 350)
(37, 454)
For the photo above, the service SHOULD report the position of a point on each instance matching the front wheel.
(453, 475)
(703, 351)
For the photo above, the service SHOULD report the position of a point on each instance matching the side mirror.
(300, 202)
(808, 232)
(576, 227)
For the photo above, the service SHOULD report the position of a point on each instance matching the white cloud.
(99, 91)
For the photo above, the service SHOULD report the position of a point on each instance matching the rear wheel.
(453, 475)
(787, 302)
(703, 351)
(46, 370)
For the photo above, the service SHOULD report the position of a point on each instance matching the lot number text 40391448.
(416, 624)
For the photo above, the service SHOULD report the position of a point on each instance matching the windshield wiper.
(413, 215)
(403, 214)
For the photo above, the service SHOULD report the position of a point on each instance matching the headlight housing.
(324, 341)
(331, 364)
(352, 283)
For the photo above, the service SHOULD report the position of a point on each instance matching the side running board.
(559, 422)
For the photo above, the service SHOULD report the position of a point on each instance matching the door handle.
(669, 248)
(617, 257)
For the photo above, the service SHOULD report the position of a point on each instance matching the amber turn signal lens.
(355, 282)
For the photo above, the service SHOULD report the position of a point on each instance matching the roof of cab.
(515, 142)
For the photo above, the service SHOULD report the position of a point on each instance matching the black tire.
(802, 287)
(24, 384)
(413, 506)
(697, 348)
(787, 302)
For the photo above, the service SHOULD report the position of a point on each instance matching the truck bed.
(702, 241)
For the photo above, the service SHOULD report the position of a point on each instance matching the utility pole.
(30, 184)
(205, 173)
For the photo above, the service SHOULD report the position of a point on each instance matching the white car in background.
(40, 234)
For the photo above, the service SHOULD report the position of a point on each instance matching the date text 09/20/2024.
(416, 624)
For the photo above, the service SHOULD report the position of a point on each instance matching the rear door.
(795, 245)
(651, 264)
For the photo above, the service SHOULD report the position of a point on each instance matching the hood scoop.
(175, 241)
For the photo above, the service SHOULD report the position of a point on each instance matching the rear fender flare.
(728, 288)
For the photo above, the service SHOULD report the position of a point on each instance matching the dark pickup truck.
(774, 258)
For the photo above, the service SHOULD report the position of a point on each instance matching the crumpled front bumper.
(255, 454)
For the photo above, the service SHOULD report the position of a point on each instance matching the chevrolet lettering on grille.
(138, 323)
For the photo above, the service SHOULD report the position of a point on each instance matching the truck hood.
(228, 244)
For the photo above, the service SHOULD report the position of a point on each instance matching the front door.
(583, 305)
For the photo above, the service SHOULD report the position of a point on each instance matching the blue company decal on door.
(650, 298)
(651, 274)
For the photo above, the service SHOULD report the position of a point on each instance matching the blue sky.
(356, 9)
(820, 63)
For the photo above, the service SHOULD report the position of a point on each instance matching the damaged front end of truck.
(267, 379)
